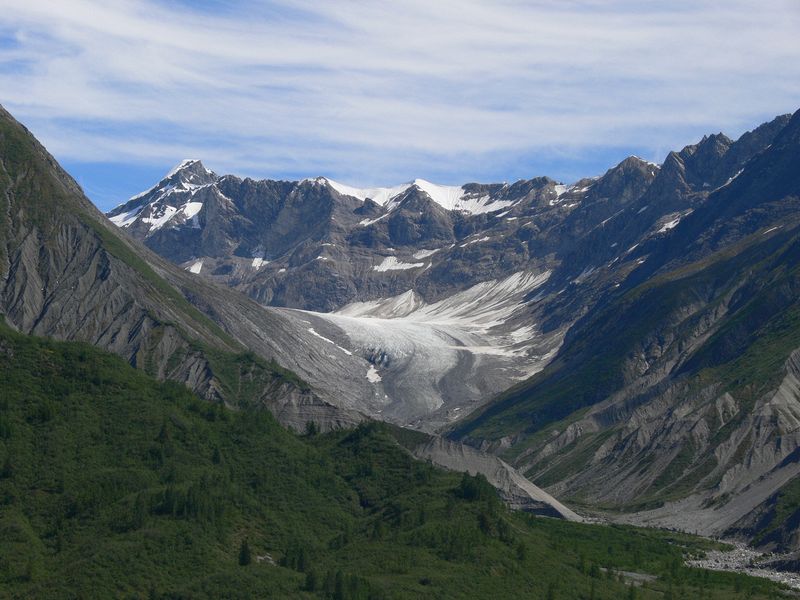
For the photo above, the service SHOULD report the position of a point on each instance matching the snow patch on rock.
(125, 219)
(424, 253)
(330, 341)
(669, 225)
(372, 374)
(390, 263)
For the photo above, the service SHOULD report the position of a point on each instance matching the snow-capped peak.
(191, 172)
(648, 162)
(449, 197)
(183, 165)
(446, 196)
(379, 195)
(173, 200)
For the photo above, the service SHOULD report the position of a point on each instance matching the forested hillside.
(115, 485)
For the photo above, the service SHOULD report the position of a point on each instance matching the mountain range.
(625, 340)
(628, 342)
(114, 484)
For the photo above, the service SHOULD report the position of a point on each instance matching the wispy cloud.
(372, 92)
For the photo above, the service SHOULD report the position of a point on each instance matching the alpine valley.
(627, 341)
(236, 388)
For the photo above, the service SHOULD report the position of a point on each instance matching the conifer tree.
(244, 554)
(7, 470)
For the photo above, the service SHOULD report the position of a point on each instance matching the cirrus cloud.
(377, 92)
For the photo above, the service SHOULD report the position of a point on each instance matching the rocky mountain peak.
(636, 163)
(187, 175)
(717, 142)
(624, 182)
(791, 132)
(191, 170)
(175, 200)
(709, 146)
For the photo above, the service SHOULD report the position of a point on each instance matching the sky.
(380, 92)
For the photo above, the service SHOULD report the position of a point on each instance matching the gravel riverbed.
(742, 559)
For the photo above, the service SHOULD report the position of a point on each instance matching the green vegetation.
(780, 521)
(22, 163)
(114, 485)
(244, 376)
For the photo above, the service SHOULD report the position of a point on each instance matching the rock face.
(318, 245)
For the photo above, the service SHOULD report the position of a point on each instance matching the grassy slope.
(114, 485)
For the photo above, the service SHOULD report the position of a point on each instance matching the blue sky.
(383, 92)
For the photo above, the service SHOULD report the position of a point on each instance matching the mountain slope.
(101, 281)
(679, 387)
(68, 273)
